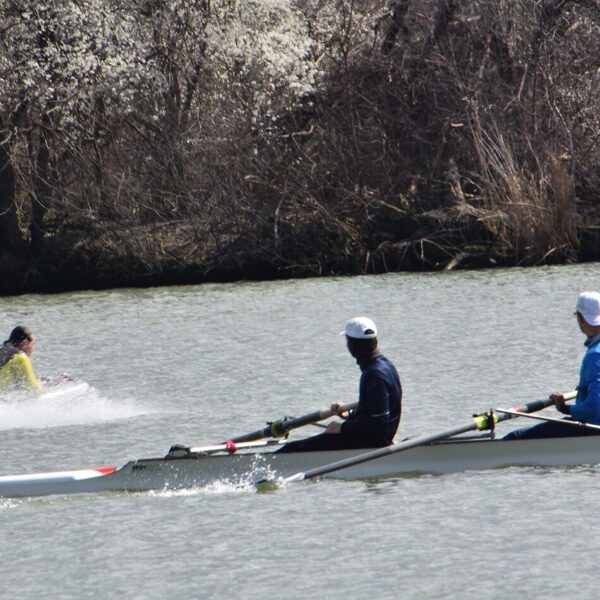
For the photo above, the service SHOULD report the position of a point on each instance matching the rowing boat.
(199, 469)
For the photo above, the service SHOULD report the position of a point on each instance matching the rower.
(587, 402)
(16, 371)
(375, 421)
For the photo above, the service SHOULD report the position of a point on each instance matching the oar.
(569, 422)
(478, 422)
(181, 451)
(274, 429)
(280, 428)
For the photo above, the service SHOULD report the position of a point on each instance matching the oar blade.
(272, 485)
(267, 486)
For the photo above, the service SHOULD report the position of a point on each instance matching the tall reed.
(529, 203)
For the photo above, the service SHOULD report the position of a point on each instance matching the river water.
(199, 364)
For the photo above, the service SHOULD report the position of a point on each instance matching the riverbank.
(172, 255)
(449, 135)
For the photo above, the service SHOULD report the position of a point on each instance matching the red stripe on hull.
(105, 470)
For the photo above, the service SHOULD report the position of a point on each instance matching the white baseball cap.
(588, 304)
(360, 328)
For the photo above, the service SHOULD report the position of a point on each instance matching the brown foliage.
(460, 134)
(443, 133)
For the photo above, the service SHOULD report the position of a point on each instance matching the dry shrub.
(530, 209)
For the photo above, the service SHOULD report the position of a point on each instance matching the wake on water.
(67, 403)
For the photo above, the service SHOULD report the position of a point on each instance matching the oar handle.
(533, 406)
(280, 428)
(566, 422)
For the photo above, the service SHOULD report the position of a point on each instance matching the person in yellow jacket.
(16, 371)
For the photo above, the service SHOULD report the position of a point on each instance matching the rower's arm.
(587, 405)
(372, 418)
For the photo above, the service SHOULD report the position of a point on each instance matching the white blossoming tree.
(64, 66)
(106, 100)
(233, 67)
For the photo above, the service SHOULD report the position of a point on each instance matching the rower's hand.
(335, 408)
(334, 427)
(560, 403)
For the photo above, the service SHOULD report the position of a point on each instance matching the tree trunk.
(11, 238)
(42, 191)
(399, 10)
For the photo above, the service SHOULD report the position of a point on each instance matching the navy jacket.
(379, 402)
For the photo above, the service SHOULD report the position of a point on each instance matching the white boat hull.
(251, 466)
